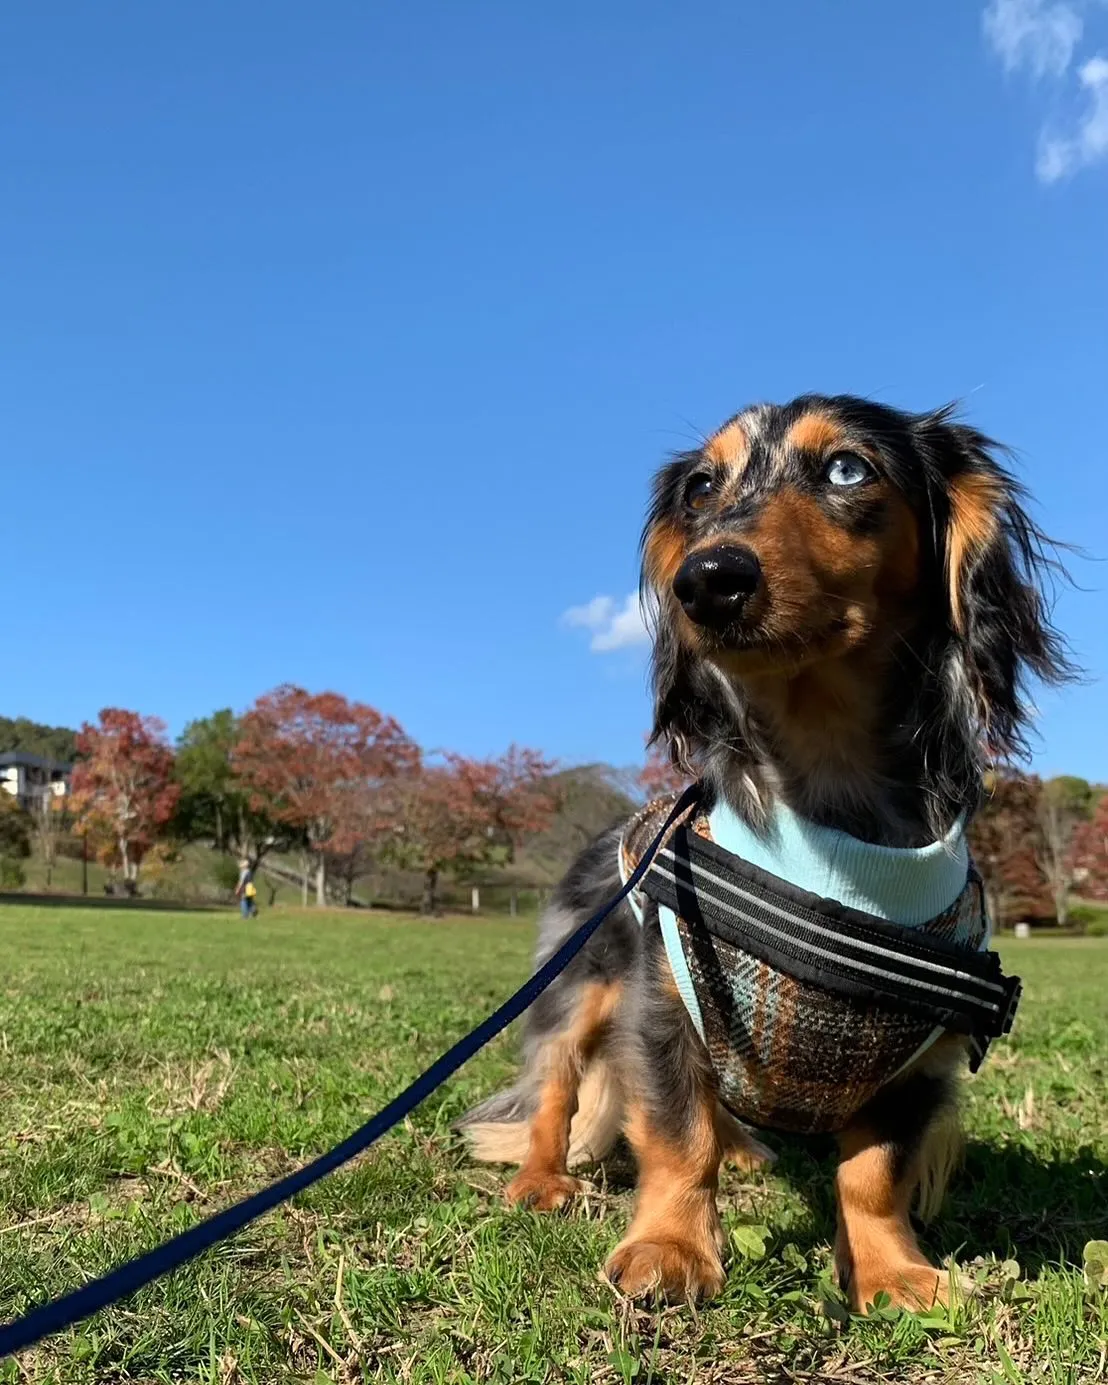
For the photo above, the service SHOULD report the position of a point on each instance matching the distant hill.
(51, 742)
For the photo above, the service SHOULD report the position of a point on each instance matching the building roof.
(28, 761)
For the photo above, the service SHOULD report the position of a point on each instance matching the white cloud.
(1041, 37)
(614, 624)
(1061, 155)
(1033, 34)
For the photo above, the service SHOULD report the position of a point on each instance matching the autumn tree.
(1089, 853)
(123, 791)
(1004, 838)
(516, 792)
(463, 813)
(303, 756)
(442, 827)
(659, 776)
(1063, 804)
(365, 815)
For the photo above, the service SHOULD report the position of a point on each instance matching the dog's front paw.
(542, 1192)
(672, 1269)
(912, 1284)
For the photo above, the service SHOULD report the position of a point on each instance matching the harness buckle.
(1013, 990)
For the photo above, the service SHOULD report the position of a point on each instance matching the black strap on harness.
(842, 950)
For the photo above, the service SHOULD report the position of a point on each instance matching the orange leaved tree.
(659, 775)
(462, 813)
(305, 758)
(1090, 853)
(123, 790)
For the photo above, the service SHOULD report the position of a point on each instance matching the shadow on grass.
(107, 901)
(1008, 1200)
(1005, 1201)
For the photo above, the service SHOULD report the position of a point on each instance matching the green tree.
(51, 742)
(214, 806)
(15, 828)
(203, 770)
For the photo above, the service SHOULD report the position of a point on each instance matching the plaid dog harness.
(808, 1005)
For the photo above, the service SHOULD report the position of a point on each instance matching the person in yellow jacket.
(246, 892)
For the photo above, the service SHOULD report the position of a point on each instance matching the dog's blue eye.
(847, 470)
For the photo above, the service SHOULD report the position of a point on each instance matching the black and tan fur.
(875, 667)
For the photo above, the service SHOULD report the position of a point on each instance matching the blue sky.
(340, 341)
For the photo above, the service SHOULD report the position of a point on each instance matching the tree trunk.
(430, 885)
(305, 869)
(130, 874)
(218, 826)
(321, 882)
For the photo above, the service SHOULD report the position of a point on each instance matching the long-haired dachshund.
(847, 600)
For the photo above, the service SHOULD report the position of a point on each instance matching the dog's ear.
(995, 562)
(662, 549)
(671, 669)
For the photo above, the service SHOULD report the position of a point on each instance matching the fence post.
(475, 900)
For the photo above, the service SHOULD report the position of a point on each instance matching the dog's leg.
(673, 1245)
(543, 1181)
(896, 1141)
(739, 1146)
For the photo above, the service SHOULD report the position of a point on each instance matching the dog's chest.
(788, 1053)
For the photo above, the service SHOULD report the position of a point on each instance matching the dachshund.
(847, 604)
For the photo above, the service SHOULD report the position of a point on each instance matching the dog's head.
(840, 543)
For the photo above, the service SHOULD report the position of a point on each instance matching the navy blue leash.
(134, 1274)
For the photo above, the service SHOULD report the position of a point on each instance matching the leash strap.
(829, 945)
(134, 1274)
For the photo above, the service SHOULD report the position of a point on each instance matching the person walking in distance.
(246, 892)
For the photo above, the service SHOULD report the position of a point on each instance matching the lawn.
(158, 1065)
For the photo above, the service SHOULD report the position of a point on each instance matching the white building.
(29, 777)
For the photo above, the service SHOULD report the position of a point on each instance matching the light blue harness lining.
(905, 885)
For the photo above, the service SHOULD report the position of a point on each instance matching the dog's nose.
(713, 584)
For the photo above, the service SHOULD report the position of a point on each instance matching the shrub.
(12, 874)
(225, 872)
(1091, 919)
(15, 828)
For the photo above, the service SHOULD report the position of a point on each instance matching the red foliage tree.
(123, 791)
(1090, 853)
(319, 763)
(513, 791)
(659, 776)
(1005, 840)
(464, 813)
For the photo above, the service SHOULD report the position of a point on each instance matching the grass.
(157, 1065)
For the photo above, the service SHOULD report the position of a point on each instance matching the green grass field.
(157, 1065)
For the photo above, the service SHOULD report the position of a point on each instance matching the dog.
(847, 604)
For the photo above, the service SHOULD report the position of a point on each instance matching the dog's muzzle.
(714, 584)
